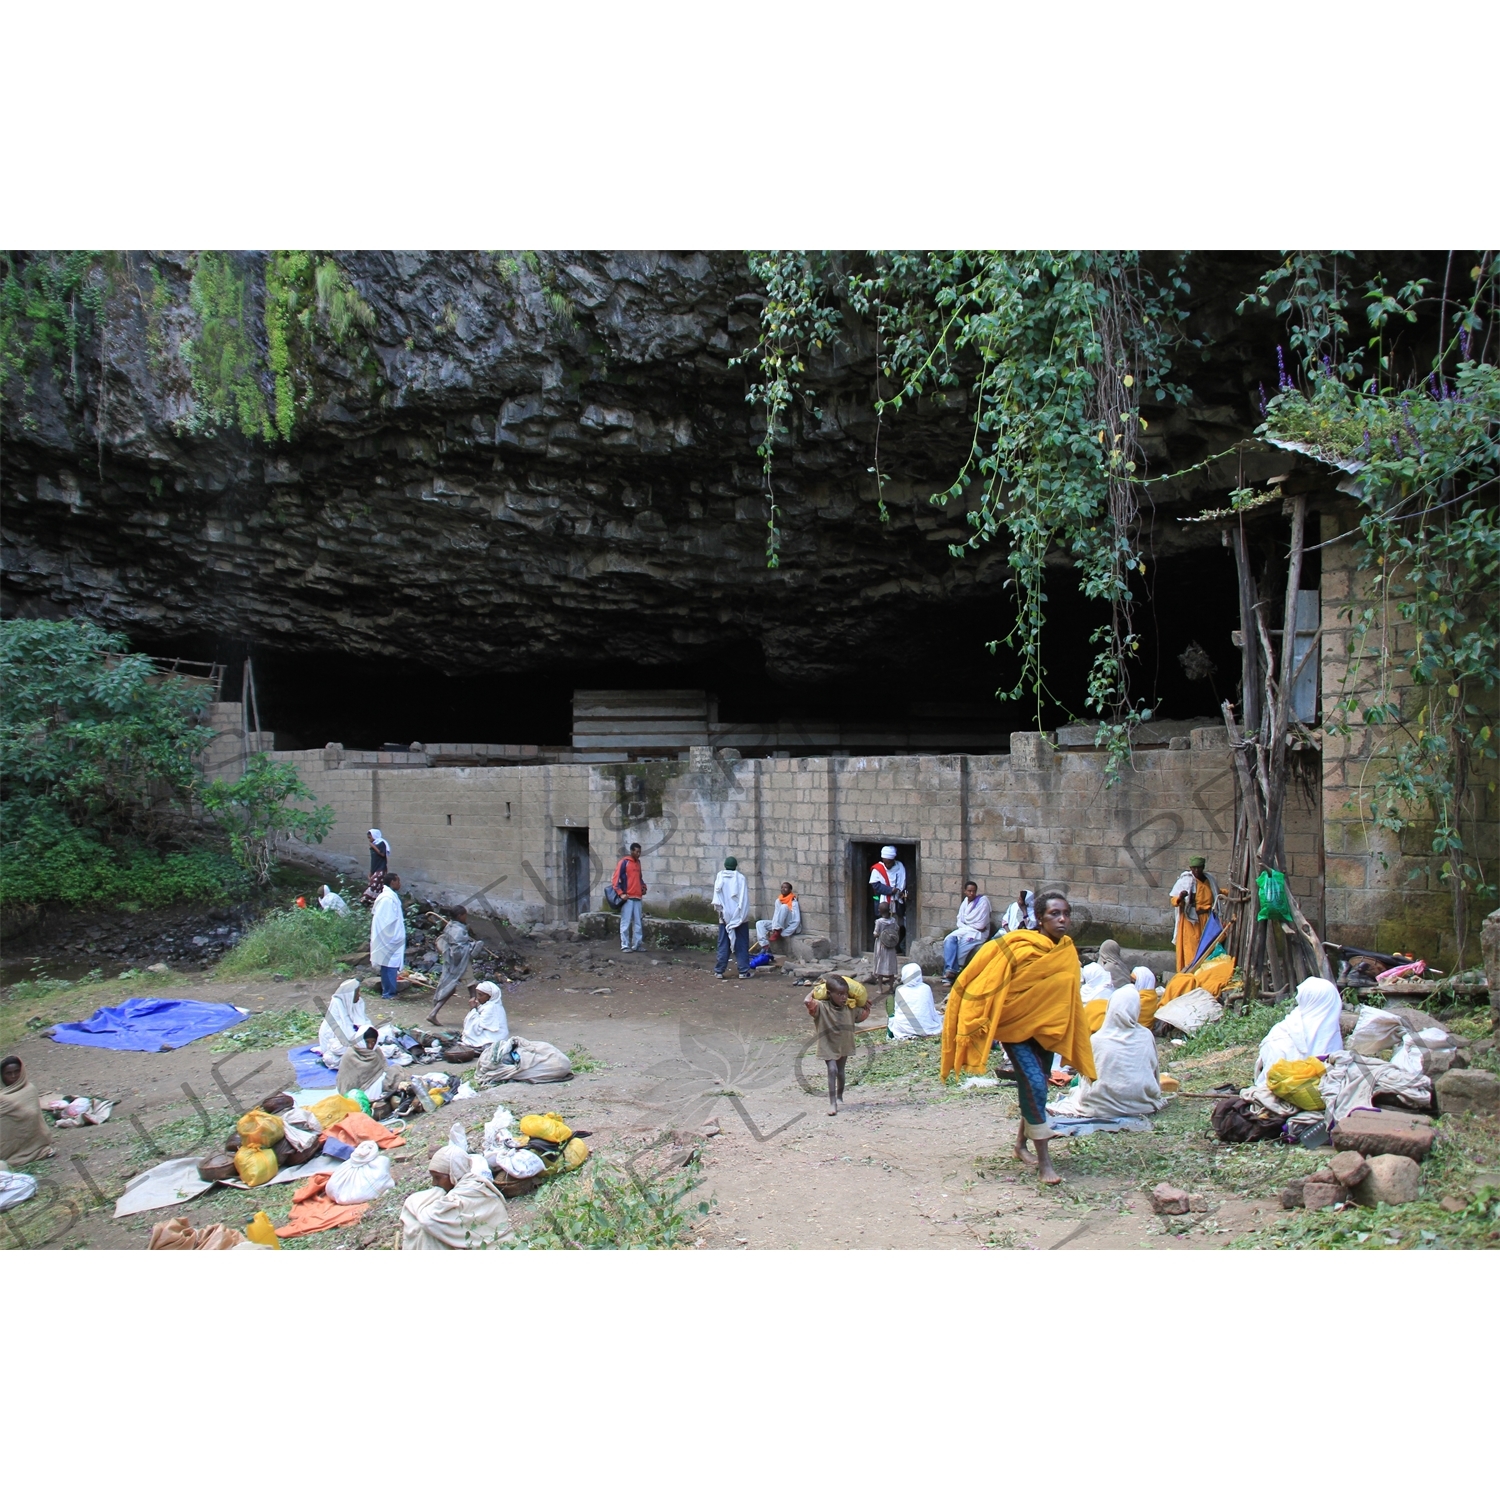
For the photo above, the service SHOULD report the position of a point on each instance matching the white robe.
(470, 1215)
(1096, 983)
(487, 1023)
(330, 900)
(731, 897)
(344, 1022)
(387, 931)
(1312, 1030)
(916, 1012)
(1125, 1058)
(973, 921)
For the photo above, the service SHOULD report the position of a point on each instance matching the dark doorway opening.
(577, 873)
(862, 855)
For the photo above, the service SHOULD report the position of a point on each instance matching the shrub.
(300, 942)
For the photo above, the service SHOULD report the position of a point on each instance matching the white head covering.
(916, 1011)
(344, 1024)
(1312, 1030)
(1097, 985)
(911, 974)
(487, 1023)
(1144, 978)
(378, 837)
(888, 852)
(1125, 1057)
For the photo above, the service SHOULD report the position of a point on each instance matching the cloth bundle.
(517, 1060)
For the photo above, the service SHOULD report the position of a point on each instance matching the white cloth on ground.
(1352, 1081)
(387, 931)
(15, 1187)
(916, 1012)
(1143, 977)
(487, 1024)
(330, 900)
(467, 1216)
(1125, 1059)
(165, 1185)
(1097, 985)
(365, 1176)
(344, 1021)
(1312, 1030)
(731, 897)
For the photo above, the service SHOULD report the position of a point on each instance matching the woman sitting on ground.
(23, 1130)
(1312, 1030)
(364, 1066)
(462, 1210)
(1127, 1086)
(916, 1012)
(486, 1022)
(345, 1020)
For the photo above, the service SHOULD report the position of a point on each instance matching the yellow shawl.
(1020, 986)
(1211, 975)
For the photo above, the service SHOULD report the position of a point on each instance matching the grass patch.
(910, 1062)
(271, 1028)
(1421, 1225)
(603, 1207)
(1234, 1029)
(301, 943)
(41, 987)
(583, 1061)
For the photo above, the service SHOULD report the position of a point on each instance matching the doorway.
(862, 855)
(577, 874)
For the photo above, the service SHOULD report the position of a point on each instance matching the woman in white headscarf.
(1312, 1030)
(486, 1022)
(330, 900)
(1097, 985)
(463, 1210)
(344, 1021)
(916, 1013)
(1145, 984)
(1125, 1055)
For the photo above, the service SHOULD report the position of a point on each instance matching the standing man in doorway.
(888, 883)
(732, 902)
(630, 887)
(1195, 895)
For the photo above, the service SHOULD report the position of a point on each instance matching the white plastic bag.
(15, 1187)
(365, 1176)
(522, 1163)
(1190, 1012)
(499, 1128)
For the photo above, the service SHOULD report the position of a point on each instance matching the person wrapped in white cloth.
(731, 900)
(463, 1210)
(1128, 1085)
(1097, 984)
(486, 1022)
(1312, 1030)
(784, 922)
(330, 900)
(971, 933)
(388, 935)
(343, 1022)
(915, 1011)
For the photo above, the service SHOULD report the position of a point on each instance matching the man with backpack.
(628, 888)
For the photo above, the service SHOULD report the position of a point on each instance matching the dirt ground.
(909, 1163)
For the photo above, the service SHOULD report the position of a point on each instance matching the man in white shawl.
(1312, 1030)
(971, 933)
(915, 1013)
(343, 1022)
(388, 935)
(464, 1210)
(731, 900)
(330, 900)
(1128, 1086)
(1021, 913)
(486, 1022)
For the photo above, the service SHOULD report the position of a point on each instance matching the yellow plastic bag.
(548, 1127)
(260, 1231)
(331, 1110)
(858, 994)
(260, 1129)
(256, 1165)
(1297, 1082)
(575, 1153)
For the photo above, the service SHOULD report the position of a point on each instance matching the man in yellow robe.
(1193, 896)
(1022, 990)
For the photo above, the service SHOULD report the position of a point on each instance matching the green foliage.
(223, 357)
(583, 1061)
(47, 302)
(1245, 1027)
(72, 866)
(1427, 456)
(271, 1028)
(300, 941)
(255, 813)
(1050, 352)
(605, 1207)
(288, 318)
(345, 312)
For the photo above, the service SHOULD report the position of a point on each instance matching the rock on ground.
(1349, 1167)
(1463, 1091)
(1391, 1179)
(1169, 1200)
(1383, 1133)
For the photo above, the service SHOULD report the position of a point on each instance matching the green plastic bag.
(1274, 901)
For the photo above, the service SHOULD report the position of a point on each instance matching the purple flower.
(1367, 442)
(1262, 385)
(1463, 344)
(1282, 381)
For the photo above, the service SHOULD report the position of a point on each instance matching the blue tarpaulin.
(148, 1025)
(1213, 930)
(311, 1074)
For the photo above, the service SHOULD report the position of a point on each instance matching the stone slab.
(1382, 1132)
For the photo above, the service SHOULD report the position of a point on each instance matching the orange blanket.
(314, 1211)
(353, 1129)
(1019, 987)
(1211, 975)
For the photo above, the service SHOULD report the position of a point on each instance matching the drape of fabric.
(344, 1022)
(313, 1210)
(1020, 914)
(468, 1216)
(1095, 983)
(1126, 1063)
(1312, 1030)
(974, 918)
(387, 931)
(380, 852)
(787, 918)
(457, 946)
(1018, 987)
(1031, 1063)
(1189, 929)
(23, 1129)
(1114, 960)
(732, 897)
(364, 1068)
(1143, 979)
(1212, 975)
(536, 1062)
(487, 1023)
(916, 1012)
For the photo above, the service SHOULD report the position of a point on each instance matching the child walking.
(887, 960)
(835, 1017)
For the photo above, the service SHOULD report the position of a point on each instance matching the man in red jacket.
(630, 887)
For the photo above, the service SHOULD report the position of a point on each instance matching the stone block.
(807, 949)
(1391, 1179)
(1291, 1195)
(1462, 1091)
(1349, 1167)
(1323, 1194)
(1164, 1198)
(1382, 1132)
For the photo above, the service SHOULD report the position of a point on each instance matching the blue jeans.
(388, 983)
(631, 931)
(1032, 1063)
(957, 953)
(741, 948)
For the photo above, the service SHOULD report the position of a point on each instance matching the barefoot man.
(1022, 990)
